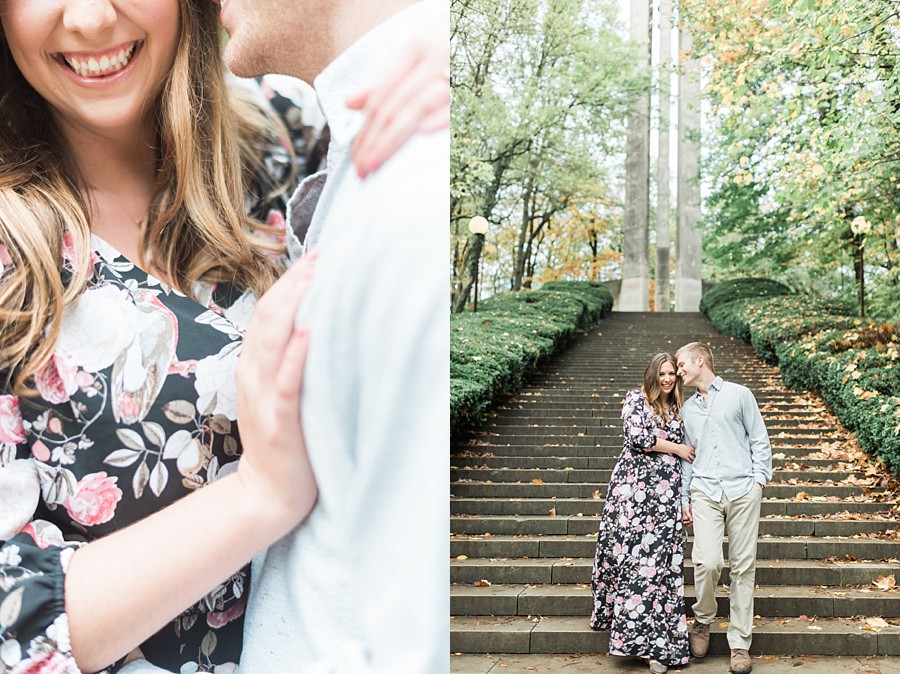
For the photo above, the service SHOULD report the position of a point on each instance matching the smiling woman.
(129, 268)
(140, 218)
(637, 580)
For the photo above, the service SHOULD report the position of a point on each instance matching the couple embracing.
(703, 461)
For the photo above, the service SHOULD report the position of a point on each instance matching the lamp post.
(478, 227)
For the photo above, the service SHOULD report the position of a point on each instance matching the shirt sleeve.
(687, 468)
(34, 627)
(760, 448)
(637, 422)
(33, 619)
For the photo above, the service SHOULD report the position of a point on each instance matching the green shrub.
(739, 289)
(495, 350)
(853, 363)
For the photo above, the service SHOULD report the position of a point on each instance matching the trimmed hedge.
(852, 362)
(494, 351)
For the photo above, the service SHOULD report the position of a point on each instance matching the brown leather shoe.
(699, 639)
(740, 661)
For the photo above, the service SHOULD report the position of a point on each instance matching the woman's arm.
(685, 452)
(123, 588)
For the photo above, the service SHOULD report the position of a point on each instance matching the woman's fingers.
(289, 378)
(414, 91)
(273, 317)
(414, 108)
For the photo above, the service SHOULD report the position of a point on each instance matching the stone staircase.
(528, 485)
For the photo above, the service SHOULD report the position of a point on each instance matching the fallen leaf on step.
(482, 583)
(552, 512)
(461, 558)
(875, 624)
(537, 480)
(885, 582)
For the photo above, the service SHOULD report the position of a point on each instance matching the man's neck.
(704, 383)
(348, 22)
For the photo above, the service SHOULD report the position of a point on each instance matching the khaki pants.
(740, 518)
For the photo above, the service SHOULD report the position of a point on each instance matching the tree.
(805, 137)
(539, 87)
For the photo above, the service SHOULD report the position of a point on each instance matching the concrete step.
(553, 460)
(597, 476)
(571, 634)
(573, 525)
(578, 571)
(592, 506)
(773, 547)
(834, 493)
(774, 601)
(527, 454)
(602, 663)
(527, 484)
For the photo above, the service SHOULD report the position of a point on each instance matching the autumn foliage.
(852, 362)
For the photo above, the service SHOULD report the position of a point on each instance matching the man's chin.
(241, 63)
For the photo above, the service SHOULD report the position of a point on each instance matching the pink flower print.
(661, 433)
(57, 381)
(55, 426)
(40, 451)
(11, 429)
(43, 662)
(276, 221)
(183, 367)
(68, 248)
(220, 618)
(5, 259)
(94, 500)
(44, 534)
(85, 380)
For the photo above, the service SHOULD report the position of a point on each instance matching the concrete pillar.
(661, 299)
(635, 292)
(688, 284)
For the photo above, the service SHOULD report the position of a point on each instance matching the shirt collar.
(716, 384)
(361, 64)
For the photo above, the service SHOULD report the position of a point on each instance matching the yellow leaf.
(537, 480)
(875, 624)
(461, 558)
(885, 582)
(482, 583)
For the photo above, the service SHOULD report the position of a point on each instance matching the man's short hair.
(695, 349)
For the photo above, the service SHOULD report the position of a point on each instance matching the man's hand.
(687, 517)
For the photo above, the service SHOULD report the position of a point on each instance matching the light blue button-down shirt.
(361, 586)
(732, 444)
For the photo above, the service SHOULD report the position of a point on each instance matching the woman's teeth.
(107, 64)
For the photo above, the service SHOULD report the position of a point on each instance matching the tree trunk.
(473, 253)
(524, 236)
(635, 292)
(661, 301)
(688, 284)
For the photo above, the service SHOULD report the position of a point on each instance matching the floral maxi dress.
(637, 578)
